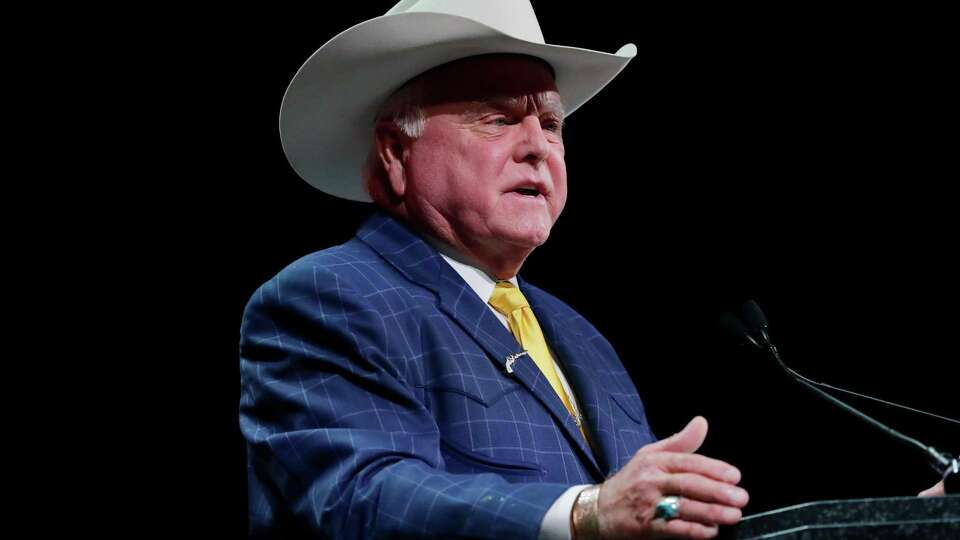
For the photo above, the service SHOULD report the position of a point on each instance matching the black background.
(800, 156)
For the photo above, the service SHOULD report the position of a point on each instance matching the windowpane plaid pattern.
(376, 404)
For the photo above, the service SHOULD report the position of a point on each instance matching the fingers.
(697, 520)
(708, 514)
(688, 440)
(674, 462)
(935, 491)
(695, 463)
(694, 486)
(679, 528)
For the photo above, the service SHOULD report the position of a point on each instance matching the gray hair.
(404, 109)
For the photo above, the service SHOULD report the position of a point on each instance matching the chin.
(531, 238)
(529, 232)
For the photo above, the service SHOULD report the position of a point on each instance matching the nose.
(533, 146)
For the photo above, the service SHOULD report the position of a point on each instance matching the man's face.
(488, 170)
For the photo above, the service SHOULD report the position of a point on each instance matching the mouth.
(529, 192)
(531, 189)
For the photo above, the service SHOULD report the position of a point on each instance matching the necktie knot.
(506, 298)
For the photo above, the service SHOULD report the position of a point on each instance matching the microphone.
(758, 325)
(753, 329)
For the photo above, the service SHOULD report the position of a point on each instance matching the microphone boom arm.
(939, 461)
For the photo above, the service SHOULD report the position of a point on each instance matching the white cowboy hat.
(328, 111)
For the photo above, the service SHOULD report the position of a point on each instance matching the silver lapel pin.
(513, 358)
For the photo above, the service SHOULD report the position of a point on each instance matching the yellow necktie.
(508, 300)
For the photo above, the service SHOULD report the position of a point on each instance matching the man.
(409, 383)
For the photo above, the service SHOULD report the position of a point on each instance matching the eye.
(500, 121)
(553, 125)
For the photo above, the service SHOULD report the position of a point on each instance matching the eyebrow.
(546, 103)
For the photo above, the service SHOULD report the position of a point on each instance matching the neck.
(500, 261)
(497, 267)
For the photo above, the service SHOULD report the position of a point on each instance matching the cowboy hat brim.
(328, 110)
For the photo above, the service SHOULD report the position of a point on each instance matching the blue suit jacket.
(376, 403)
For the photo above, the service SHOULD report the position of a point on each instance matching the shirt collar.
(477, 279)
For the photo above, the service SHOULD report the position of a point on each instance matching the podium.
(874, 519)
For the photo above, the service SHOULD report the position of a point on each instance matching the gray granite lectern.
(919, 518)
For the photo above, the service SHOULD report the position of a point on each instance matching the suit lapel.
(588, 383)
(421, 263)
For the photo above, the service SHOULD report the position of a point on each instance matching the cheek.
(459, 181)
(558, 171)
(560, 201)
(431, 168)
(480, 174)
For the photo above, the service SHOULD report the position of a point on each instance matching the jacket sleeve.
(338, 442)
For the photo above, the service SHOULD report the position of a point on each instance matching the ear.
(393, 149)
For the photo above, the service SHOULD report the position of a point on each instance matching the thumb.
(688, 440)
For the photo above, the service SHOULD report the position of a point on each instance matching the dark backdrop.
(802, 157)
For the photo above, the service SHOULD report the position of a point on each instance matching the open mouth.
(530, 192)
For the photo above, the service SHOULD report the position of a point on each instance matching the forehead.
(495, 78)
